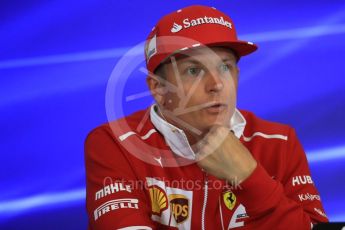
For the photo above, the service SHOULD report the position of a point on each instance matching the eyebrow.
(229, 59)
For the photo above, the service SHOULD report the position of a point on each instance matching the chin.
(220, 120)
(206, 126)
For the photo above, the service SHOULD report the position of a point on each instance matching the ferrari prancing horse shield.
(229, 199)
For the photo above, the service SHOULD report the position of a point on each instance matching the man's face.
(200, 89)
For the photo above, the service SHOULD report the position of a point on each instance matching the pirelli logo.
(114, 205)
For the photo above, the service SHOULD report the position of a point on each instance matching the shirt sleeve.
(292, 202)
(114, 195)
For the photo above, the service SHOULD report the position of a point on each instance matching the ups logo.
(179, 207)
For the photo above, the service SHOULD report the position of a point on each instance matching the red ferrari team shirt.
(141, 175)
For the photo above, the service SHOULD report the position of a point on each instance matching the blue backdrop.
(57, 56)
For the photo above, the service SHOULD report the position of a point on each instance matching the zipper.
(205, 201)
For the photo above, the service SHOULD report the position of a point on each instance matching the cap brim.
(242, 48)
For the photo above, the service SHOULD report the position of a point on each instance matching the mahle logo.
(179, 207)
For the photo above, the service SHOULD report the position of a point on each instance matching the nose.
(214, 82)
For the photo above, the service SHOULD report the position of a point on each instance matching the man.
(197, 162)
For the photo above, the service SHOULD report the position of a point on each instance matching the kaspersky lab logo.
(187, 23)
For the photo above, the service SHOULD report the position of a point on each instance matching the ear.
(157, 89)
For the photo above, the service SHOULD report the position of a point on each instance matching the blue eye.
(225, 67)
(194, 71)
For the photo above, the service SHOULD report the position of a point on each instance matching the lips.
(215, 107)
(214, 104)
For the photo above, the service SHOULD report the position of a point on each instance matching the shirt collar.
(177, 139)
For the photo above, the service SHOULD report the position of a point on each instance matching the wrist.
(248, 171)
(242, 175)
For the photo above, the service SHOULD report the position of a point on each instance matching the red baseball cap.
(191, 27)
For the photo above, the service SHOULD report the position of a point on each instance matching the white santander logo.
(176, 28)
(199, 21)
